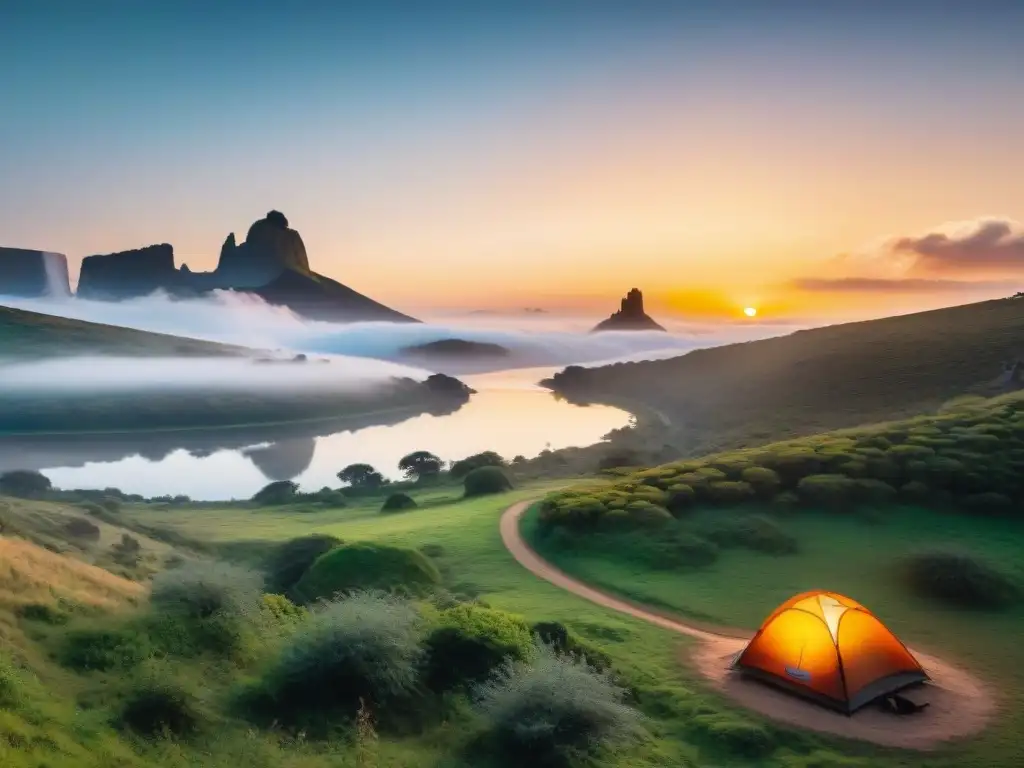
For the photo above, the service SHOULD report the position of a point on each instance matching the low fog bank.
(533, 340)
(81, 374)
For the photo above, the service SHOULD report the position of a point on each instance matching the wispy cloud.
(975, 256)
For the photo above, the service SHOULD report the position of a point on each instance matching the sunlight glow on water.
(508, 415)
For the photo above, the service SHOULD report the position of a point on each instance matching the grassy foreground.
(686, 725)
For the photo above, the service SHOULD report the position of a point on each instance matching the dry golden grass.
(31, 574)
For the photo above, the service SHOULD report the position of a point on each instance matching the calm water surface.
(509, 414)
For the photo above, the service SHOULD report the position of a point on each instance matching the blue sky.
(546, 138)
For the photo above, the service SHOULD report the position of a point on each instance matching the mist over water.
(532, 339)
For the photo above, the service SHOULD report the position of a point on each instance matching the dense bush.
(204, 590)
(24, 483)
(87, 650)
(960, 579)
(156, 708)
(470, 642)
(361, 476)
(398, 502)
(366, 566)
(564, 641)
(80, 528)
(276, 493)
(463, 467)
(12, 685)
(485, 480)
(291, 559)
(363, 648)
(554, 710)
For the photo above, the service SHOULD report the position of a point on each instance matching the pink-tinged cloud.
(977, 256)
(988, 246)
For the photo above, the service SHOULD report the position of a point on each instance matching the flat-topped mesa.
(129, 274)
(630, 316)
(26, 273)
(269, 249)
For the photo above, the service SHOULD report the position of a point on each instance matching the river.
(509, 414)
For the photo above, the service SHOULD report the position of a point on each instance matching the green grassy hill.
(31, 335)
(815, 380)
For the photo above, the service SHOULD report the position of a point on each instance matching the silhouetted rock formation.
(269, 249)
(271, 263)
(455, 348)
(129, 274)
(630, 317)
(33, 274)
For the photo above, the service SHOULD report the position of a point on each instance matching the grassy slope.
(33, 335)
(812, 381)
(475, 560)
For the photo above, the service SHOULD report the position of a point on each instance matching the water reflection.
(509, 415)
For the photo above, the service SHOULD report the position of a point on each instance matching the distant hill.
(26, 335)
(458, 348)
(813, 380)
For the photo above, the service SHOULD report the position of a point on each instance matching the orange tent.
(830, 649)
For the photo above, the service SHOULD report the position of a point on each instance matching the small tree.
(484, 480)
(463, 467)
(361, 476)
(24, 483)
(420, 465)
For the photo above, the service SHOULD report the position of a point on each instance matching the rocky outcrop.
(630, 317)
(455, 348)
(129, 274)
(270, 248)
(33, 274)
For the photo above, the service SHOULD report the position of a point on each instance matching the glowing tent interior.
(830, 649)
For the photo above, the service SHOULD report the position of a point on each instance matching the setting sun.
(750, 311)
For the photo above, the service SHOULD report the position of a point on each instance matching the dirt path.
(959, 704)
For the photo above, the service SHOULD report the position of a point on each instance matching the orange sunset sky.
(812, 164)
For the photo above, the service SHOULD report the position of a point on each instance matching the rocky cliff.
(33, 274)
(129, 274)
(269, 249)
(272, 263)
(630, 316)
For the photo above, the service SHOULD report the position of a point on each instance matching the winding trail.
(959, 704)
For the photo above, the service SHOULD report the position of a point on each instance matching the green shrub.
(786, 501)
(363, 648)
(646, 514)
(681, 497)
(564, 641)
(470, 642)
(868, 490)
(86, 650)
(24, 483)
(830, 491)
(486, 480)
(398, 502)
(157, 708)
(554, 710)
(80, 528)
(292, 558)
(281, 611)
(363, 566)
(463, 467)
(729, 492)
(276, 493)
(739, 737)
(42, 612)
(207, 589)
(765, 482)
(754, 532)
(960, 579)
(915, 492)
